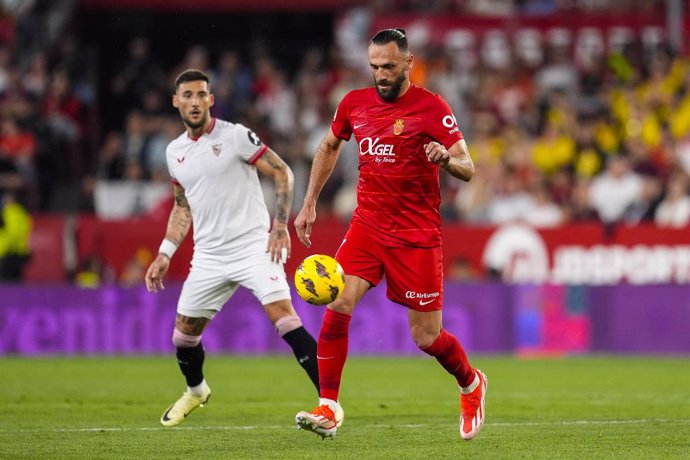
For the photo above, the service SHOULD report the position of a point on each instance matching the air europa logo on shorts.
(422, 295)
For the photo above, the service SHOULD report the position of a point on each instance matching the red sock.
(449, 353)
(331, 352)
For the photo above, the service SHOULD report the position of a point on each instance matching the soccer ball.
(319, 279)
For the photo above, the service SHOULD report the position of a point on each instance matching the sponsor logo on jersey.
(180, 159)
(398, 126)
(216, 149)
(370, 146)
(357, 126)
(449, 121)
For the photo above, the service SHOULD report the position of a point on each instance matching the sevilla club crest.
(216, 149)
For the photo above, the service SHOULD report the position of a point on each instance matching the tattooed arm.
(179, 222)
(180, 219)
(273, 166)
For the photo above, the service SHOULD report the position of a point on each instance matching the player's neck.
(403, 89)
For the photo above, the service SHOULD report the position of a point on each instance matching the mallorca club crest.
(398, 126)
(216, 149)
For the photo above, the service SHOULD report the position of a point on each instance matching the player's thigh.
(415, 277)
(360, 255)
(205, 291)
(263, 277)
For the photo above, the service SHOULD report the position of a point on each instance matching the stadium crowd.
(557, 134)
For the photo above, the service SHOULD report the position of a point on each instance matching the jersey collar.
(208, 130)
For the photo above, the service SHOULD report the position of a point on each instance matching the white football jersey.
(222, 187)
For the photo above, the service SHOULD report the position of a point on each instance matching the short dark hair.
(190, 75)
(391, 35)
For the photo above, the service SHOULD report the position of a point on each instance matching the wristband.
(168, 248)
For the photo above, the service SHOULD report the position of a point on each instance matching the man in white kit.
(213, 166)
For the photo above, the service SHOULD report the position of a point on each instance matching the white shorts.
(211, 282)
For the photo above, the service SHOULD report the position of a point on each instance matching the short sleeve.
(247, 144)
(441, 124)
(341, 119)
(173, 179)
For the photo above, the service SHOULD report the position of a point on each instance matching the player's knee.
(342, 305)
(182, 340)
(287, 324)
(423, 338)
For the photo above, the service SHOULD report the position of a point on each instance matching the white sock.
(473, 385)
(328, 402)
(199, 389)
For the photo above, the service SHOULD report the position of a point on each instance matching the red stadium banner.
(588, 254)
(575, 254)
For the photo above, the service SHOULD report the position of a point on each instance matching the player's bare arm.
(180, 220)
(179, 223)
(270, 164)
(321, 169)
(455, 160)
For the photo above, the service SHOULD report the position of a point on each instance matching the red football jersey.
(398, 194)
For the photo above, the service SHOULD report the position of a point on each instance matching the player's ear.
(211, 99)
(410, 61)
(174, 101)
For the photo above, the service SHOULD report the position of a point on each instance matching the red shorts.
(414, 275)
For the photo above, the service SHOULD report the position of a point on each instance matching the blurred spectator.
(63, 114)
(232, 81)
(15, 229)
(135, 138)
(154, 161)
(553, 150)
(674, 209)
(559, 73)
(545, 213)
(111, 158)
(135, 77)
(616, 190)
(89, 276)
(644, 208)
(512, 202)
(36, 79)
(578, 208)
(18, 145)
(135, 268)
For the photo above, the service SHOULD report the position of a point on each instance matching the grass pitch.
(396, 408)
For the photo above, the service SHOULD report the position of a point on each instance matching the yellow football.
(319, 279)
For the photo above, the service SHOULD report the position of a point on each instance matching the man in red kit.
(405, 135)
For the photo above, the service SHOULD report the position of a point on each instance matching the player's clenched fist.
(436, 153)
(156, 273)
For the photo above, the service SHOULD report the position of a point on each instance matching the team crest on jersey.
(398, 126)
(216, 149)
